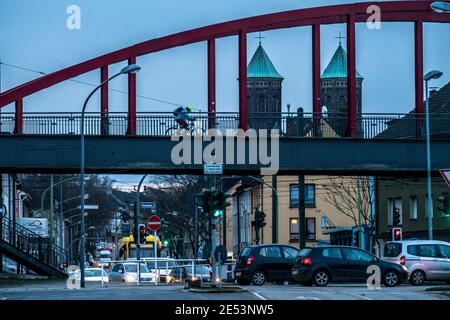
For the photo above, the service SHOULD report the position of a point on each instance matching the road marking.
(358, 295)
(258, 295)
(307, 298)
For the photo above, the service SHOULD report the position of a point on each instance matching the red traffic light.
(396, 234)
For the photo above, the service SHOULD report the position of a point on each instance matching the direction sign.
(148, 205)
(213, 169)
(446, 175)
(154, 223)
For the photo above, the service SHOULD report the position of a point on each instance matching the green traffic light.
(217, 213)
(165, 243)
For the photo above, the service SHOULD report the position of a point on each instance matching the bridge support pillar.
(418, 67)
(351, 77)
(131, 100)
(18, 119)
(316, 103)
(211, 83)
(104, 101)
(243, 80)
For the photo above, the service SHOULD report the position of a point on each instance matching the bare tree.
(349, 195)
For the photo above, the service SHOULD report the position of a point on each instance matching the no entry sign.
(154, 223)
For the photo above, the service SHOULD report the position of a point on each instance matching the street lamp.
(132, 68)
(435, 74)
(440, 6)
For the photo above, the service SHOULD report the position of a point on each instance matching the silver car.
(127, 272)
(426, 260)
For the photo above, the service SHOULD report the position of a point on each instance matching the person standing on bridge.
(182, 116)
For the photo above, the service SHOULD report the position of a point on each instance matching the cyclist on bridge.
(182, 116)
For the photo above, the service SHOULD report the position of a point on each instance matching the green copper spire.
(261, 67)
(337, 68)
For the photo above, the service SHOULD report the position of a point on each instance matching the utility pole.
(301, 212)
(359, 213)
(51, 208)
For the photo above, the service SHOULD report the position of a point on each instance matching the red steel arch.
(392, 11)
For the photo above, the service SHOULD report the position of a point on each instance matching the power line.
(93, 85)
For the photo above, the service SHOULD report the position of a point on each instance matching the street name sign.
(213, 169)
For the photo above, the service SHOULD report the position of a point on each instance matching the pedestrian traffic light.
(443, 204)
(397, 234)
(203, 201)
(396, 216)
(142, 233)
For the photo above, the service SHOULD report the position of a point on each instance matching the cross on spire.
(260, 37)
(340, 38)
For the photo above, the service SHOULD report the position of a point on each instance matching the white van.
(426, 260)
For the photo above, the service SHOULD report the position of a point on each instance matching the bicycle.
(189, 126)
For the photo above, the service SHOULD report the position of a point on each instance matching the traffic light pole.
(213, 235)
(136, 228)
(301, 212)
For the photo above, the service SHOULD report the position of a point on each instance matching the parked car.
(261, 263)
(425, 259)
(91, 275)
(127, 272)
(322, 265)
(181, 274)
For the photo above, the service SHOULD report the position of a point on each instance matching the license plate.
(238, 274)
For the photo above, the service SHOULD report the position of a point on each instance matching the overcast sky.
(33, 35)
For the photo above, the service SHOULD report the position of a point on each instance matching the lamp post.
(440, 6)
(435, 74)
(132, 68)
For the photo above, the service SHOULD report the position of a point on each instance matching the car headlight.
(130, 278)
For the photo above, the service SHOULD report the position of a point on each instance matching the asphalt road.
(58, 291)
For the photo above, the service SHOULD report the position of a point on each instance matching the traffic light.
(355, 238)
(397, 234)
(443, 205)
(218, 203)
(142, 234)
(260, 219)
(165, 243)
(203, 201)
(396, 216)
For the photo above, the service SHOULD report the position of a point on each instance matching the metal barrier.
(308, 125)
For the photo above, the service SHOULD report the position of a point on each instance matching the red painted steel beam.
(18, 119)
(351, 77)
(131, 100)
(104, 100)
(391, 11)
(316, 103)
(418, 75)
(243, 124)
(211, 83)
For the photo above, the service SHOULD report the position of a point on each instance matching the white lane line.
(258, 295)
(307, 298)
(358, 295)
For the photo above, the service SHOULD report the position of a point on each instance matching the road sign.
(213, 169)
(446, 175)
(154, 223)
(148, 205)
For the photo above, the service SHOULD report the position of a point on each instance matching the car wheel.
(321, 278)
(258, 278)
(391, 278)
(417, 278)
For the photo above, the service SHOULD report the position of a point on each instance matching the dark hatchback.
(321, 265)
(261, 263)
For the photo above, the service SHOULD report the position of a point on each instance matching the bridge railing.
(308, 125)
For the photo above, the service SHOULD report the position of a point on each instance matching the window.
(357, 255)
(392, 249)
(332, 253)
(261, 103)
(311, 229)
(293, 229)
(117, 268)
(428, 250)
(445, 251)
(270, 252)
(391, 203)
(294, 234)
(290, 253)
(413, 208)
(310, 196)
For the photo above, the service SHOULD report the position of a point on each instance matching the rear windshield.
(392, 249)
(246, 252)
(304, 253)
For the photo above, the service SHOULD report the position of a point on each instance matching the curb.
(217, 290)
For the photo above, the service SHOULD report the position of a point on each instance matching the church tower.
(263, 92)
(333, 94)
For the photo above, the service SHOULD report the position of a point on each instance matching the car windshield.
(392, 249)
(133, 268)
(204, 270)
(105, 256)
